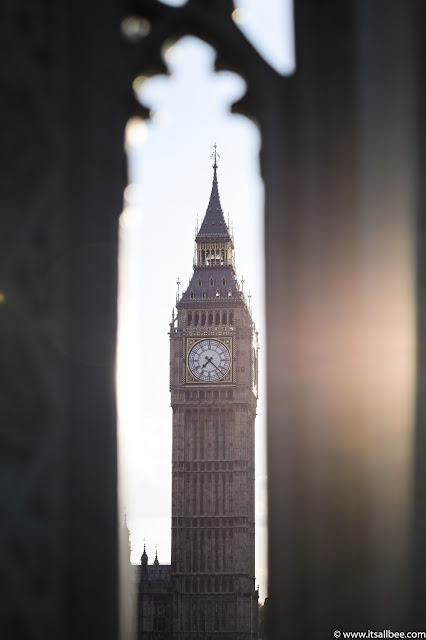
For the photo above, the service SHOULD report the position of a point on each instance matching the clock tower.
(213, 383)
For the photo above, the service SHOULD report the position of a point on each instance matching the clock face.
(209, 360)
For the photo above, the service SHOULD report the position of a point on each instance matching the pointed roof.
(144, 557)
(214, 225)
(224, 282)
(156, 557)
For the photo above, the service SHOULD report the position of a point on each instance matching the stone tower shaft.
(213, 383)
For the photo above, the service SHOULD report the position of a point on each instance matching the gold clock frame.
(228, 378)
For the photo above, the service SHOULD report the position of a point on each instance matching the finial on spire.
(216, 155)
(242, 283)
(178, 282)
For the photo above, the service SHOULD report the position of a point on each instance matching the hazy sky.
(170, 175)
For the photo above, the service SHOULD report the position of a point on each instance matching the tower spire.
(144, 557)
(213, 224)
(216, 155)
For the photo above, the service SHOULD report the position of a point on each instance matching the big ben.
(213, 384)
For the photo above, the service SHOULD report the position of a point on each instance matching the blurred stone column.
(338, 161)
(62, 175)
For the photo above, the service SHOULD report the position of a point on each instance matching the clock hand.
(208, 361)
(216, 366)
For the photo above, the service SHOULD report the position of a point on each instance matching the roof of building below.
(157, 579)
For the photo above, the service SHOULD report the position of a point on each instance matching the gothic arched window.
(224, 319)
(189, 319)
(210, 318)
(203, 318)
(217, 318)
